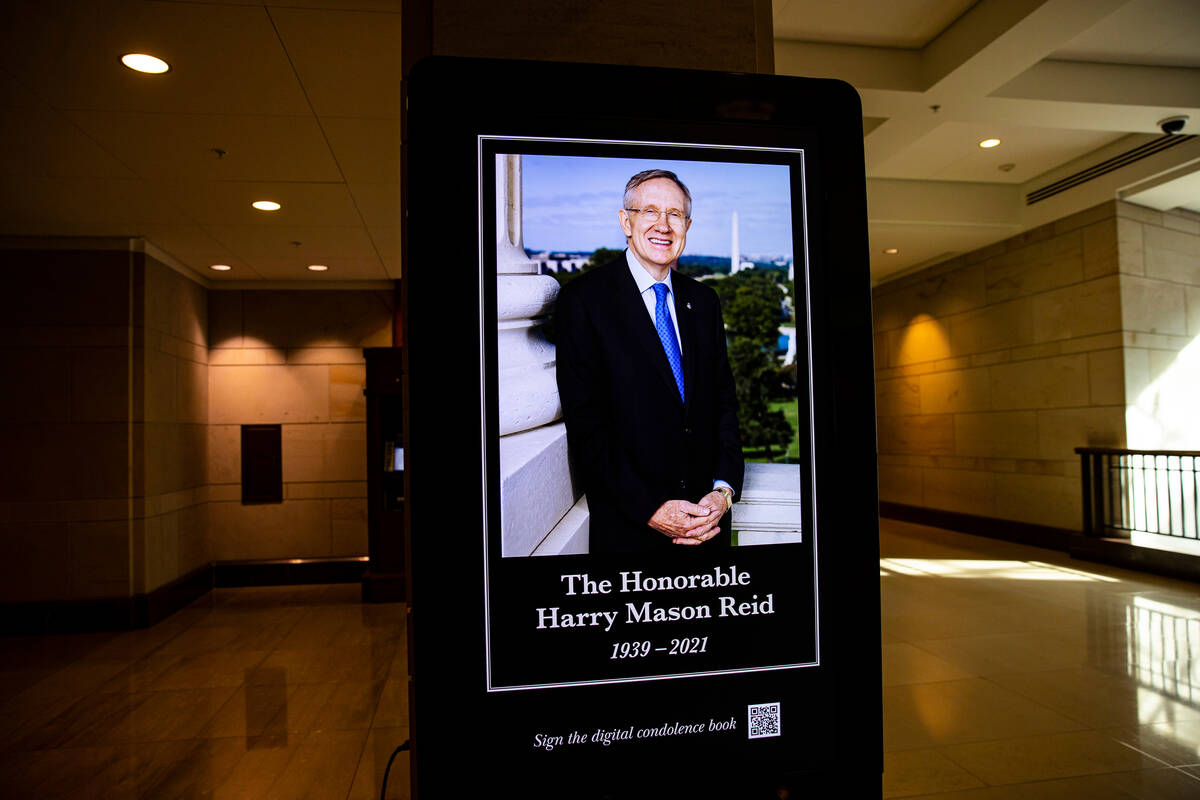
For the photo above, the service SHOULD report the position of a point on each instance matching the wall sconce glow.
(923, 339)
(989, 143)
(317, 267)
(141, 62)
(221, 267)
(266, 205)
(891, 251)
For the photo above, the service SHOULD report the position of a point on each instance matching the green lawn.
(788, 407)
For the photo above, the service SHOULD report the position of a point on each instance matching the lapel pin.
(689, 306)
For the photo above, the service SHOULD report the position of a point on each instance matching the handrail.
(1130, 492)
(1120, 451)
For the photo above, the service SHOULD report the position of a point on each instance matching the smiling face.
(657, 245)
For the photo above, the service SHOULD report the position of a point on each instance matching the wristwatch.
(727, 493)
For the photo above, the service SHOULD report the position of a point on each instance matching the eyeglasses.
(675, 219)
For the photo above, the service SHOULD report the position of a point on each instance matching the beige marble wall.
(293, 358)
(1160, 308)
(125, 387)
(993, 366)
(64, 479)
(169, 426)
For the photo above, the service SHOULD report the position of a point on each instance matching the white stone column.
(536, 491)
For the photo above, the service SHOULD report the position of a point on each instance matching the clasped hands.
(690, 523)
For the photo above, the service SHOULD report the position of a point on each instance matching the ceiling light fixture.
(141, 62)
(989, 143)
(891, 251)
(317, 267)
(266, 205)
(221, 267)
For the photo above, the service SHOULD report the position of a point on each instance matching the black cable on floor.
(396, 752)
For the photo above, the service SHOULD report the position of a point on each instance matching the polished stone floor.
(1008, 672)
(1012, 672)
(288, 692)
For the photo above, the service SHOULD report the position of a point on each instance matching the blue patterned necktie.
(666, 332)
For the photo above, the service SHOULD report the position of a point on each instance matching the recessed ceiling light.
(986, 143)
(317, 267)
(141, 62)
(266, 205)
(221, 267)
(891, 251)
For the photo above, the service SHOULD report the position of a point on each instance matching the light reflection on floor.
(1015, 672)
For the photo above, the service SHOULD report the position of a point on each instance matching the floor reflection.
(1163, 647)
(266, 708)
(288, 692)
(1015, 672)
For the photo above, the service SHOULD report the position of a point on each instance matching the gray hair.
(649, 175)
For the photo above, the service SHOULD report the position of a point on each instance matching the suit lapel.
(632, 312)
(687, 334)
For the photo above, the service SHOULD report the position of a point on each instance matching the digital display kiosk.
(563, 642)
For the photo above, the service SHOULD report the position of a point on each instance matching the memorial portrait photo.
(651, 347)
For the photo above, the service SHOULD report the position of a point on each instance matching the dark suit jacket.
(632, 441)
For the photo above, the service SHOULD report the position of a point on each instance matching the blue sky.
(571, 203)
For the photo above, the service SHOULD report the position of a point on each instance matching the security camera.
(1173, 124)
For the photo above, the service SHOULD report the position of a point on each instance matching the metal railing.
(1140, 491)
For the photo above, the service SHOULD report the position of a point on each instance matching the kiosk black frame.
(819, 661)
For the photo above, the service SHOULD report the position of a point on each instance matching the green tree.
(753, 312)
(601, 256)
(752, 307)
(754, 374)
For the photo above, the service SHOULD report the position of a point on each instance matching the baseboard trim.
(157, 605)
(289, 571)
(146, 609)
(105, 613)
(991, 527)
(1115, 552)
(1121, 553)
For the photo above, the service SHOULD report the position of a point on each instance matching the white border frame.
(488, 206)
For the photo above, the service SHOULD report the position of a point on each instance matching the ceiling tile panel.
(228, 203)
(180, 146)
(187, 243)
(235, 274)
(378, 203)
(224, 59)
(367, 150)
(46, 144)
(349, 62)
(126, 205)
(15, 94)
(340, 269)
(254, 242)
(387, 243)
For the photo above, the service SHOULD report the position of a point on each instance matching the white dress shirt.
(645, 284)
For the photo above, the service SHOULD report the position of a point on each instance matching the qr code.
(764, 720)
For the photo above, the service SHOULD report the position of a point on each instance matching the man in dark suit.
(646, 388)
